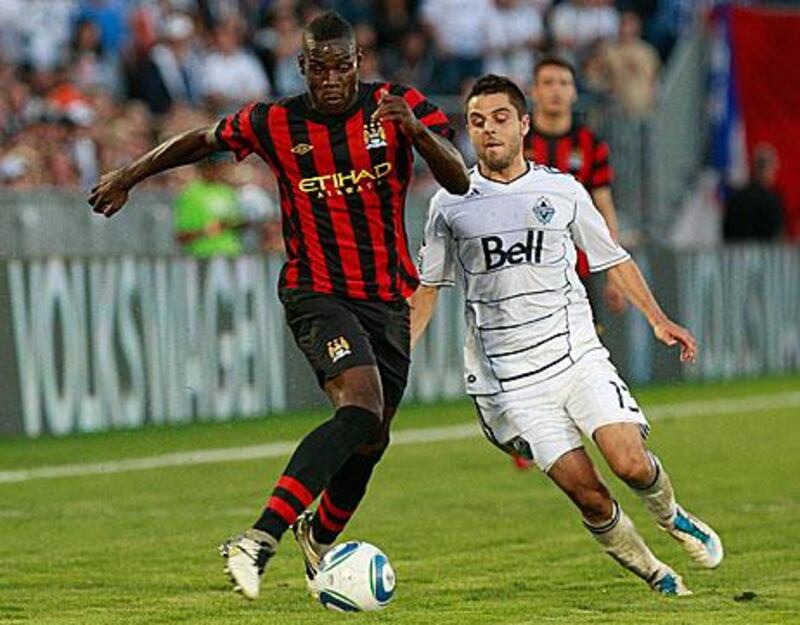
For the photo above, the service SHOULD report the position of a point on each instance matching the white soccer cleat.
(669, 583)
(246, 556)
(698, 539)
(313, 552)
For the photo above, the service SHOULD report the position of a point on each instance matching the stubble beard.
(501, 162)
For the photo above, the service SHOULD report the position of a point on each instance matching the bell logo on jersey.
(528, 251)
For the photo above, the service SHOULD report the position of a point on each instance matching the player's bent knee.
(360, 386)
(361, 419)
(635, 471)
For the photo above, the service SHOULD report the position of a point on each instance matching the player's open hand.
(393, 108)
(110, 193)
(671, 334)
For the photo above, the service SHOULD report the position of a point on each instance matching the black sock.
(341, 497)
(317, 458)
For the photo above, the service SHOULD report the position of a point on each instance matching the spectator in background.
(557, 139)
(258, 209)
(459, 36)
(755, 212)
(280, 43)
(515, 28)
(354, 11)
(576, 25)
(232, 76)
(393, 19)
(21, 168)
(91, 67)
(111, 19)
(207, 217)
(170, 73)
(412, 63)
(631, 67)
(36, 32)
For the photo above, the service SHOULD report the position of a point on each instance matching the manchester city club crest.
(544, 210)
(374, 135)
(338, 348)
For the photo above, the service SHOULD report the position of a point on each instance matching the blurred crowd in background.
(90, 84)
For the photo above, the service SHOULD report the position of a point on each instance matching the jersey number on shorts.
(626, 400)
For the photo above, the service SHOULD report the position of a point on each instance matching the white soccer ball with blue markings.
(355, 577)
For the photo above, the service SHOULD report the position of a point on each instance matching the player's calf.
(621, 541)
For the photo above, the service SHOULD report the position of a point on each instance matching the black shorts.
(336, 334)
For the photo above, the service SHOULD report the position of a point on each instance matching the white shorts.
(545, 420)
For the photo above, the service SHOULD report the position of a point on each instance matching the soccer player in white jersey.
(538, 373)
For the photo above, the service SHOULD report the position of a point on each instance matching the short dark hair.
(557, 61)
(329, 26)
(492, 83)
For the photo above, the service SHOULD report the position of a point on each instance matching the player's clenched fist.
(392, 108)
(110, 193)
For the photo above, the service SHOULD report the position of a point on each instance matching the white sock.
(622, 542)
(659, 496)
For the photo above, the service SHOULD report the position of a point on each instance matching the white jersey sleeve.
(437, 259)
(590, 233)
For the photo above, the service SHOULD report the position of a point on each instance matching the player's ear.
(301, 63)
(359, 55)
(525, 124)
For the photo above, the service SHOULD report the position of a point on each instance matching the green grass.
(471, 539)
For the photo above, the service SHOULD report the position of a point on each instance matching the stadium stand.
(90, 83)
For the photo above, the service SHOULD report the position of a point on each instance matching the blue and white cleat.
(698, 539)
(669, 583)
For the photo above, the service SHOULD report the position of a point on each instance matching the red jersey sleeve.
(602, 174)
(235, 132)
(425, 111)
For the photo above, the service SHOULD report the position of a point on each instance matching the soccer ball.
(355, 577)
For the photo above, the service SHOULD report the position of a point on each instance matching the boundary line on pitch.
(401, 437)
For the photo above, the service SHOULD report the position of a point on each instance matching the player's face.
(553, 92)
(496, 130)
(331, 72)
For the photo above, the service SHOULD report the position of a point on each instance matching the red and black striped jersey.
(343, 181)
(578, 152)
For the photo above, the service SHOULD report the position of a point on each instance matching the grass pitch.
(472, 539)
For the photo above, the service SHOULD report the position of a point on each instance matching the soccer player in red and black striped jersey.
(342, 154)
(558, 140)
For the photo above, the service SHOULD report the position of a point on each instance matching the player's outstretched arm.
(444, 160)
(634, 286)
(422, 303)
(612, 292)
(111, 191)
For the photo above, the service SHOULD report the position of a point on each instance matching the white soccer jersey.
(527, 315)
